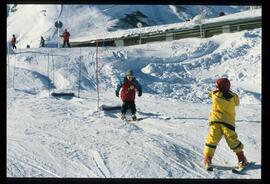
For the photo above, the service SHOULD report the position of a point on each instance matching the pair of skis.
(127, 119)
(235, 170)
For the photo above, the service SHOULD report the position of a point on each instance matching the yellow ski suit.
(222, 122)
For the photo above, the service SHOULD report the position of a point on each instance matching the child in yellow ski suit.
(222, 122)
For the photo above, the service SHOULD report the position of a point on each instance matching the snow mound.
(185, 69)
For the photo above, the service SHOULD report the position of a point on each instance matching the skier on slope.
(13, 42)
(129, 86)
(222, 122)
(66, 36)
(42, 42)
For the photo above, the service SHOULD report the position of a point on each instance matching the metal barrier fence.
(200, 31)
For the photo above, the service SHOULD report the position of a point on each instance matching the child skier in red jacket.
(129, 86)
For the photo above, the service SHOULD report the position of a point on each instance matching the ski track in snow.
(100, 164)
(185, 157)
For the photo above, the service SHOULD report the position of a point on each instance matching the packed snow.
(71, 137)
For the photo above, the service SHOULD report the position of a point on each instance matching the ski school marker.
(58, 24)
(110, 108)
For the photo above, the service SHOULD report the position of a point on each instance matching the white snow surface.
(70, 137)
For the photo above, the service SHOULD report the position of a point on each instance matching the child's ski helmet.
(129, 72)
(223, 84)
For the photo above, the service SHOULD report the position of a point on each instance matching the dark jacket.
(66, 36)
(42, 42)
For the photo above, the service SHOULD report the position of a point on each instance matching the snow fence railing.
(174, 31)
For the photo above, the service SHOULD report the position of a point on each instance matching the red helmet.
(223, 84)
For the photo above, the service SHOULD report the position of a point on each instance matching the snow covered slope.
(30, 22)
(62, 137)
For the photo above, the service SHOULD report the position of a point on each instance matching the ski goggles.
(130, 77)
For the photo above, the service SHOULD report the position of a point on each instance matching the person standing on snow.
(42, 42)
(222, 123)
(129, 86)
(13, 42)
(66, 36)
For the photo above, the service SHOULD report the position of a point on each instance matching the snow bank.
(183, 69)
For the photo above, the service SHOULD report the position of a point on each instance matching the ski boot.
(134, 118)
(242, 160)
(123, 116)
(242, 163)
(207, 161)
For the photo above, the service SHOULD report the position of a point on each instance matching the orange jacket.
(66, 36)
(13, 40)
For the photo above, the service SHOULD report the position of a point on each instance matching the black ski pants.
(128, 104)
(66, 42)
(13, 46)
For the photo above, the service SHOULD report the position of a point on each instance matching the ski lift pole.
(201, 32)
(8, 64)
(58, 24)
(97, 74)
(201, 13)
(14, 68)
(79, 86)
(48, 68)
(58, 37)
(53, 68)
(139, 25)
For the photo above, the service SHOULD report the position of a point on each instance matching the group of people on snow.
(221, 120)
(65, 36)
